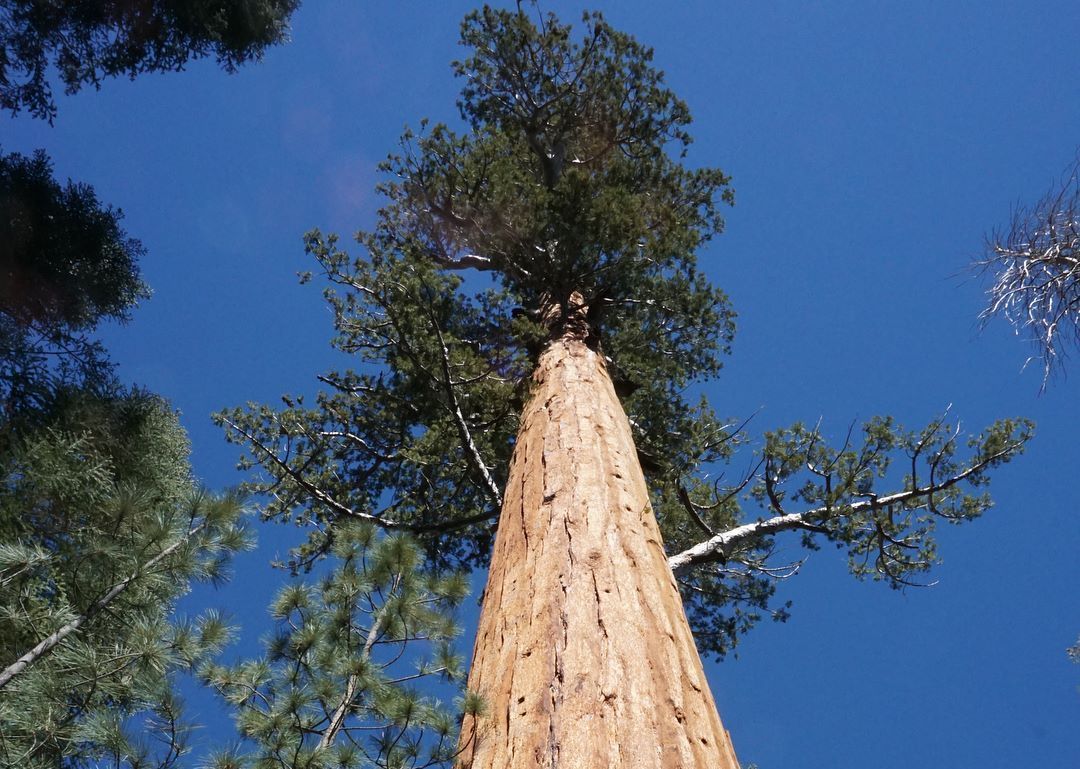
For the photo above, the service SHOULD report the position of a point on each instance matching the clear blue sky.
(872, 144)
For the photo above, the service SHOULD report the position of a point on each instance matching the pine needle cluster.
(103, 530)
(339, 682)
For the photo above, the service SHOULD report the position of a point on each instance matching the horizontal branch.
(721, 546)
(320, 495)
(316, 493)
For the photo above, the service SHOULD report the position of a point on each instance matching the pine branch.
(721, 546)
(472, 452)
(338, 718)
(47, 644)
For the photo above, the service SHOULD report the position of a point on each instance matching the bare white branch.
(1036, 272)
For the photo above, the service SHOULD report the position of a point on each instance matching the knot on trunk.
(565, 318)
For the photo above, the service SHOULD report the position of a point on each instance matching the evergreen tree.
(528, 313)
(89, 42)
(102, 527)
(334, 688)
(101, 531)
(65, 264)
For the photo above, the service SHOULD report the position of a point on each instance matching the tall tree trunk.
(584, 656)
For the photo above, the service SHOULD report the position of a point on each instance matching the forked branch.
(1035, 265)
(835, 518)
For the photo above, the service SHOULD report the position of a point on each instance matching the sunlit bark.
(584, 656)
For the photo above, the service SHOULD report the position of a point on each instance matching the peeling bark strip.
(583, 655)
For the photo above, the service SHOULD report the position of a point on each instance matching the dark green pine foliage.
(101, 531)
(568, 181)
(614, 216)
(65, 264)
(89, 42)
(336, 687)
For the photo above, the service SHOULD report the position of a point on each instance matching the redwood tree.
(528, 313)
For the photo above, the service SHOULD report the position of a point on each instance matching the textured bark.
(584, 656)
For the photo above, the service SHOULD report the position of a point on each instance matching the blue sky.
(872, 144)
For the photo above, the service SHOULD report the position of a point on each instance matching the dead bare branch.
(1035, 265)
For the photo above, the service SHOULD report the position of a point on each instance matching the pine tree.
(528, 313)
(102, 527)
(335, 687)
(66, 264)
(101, 531)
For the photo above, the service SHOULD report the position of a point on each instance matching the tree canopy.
(89, 42)
(567, 197)
(102, 526)
(102, 529)
(66, 264)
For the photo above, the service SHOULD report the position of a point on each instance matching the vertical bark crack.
(599, 616)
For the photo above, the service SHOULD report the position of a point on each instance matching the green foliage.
(838, 497)
(65, 264)
(568, 206)
(66, 260)
(335, 687)
(102, 527)
(566, 183)
(547, 199)
(396, 428)
(88, 42)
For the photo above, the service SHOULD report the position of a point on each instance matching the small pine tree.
(102, 530)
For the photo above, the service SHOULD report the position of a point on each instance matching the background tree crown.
(66, 264)
(89, 42)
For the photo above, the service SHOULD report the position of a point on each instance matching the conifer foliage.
(336, 687)
(101, 531)
(65, 265)
(88, 42)
(102, 527)
(567, 198)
